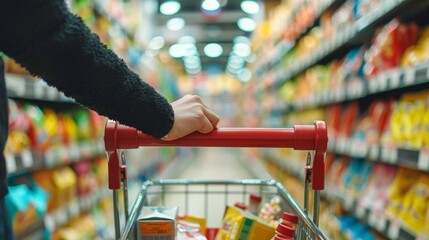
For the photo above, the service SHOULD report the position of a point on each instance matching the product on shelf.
(388, 47)
(415, 209)
(403, 182)
(375, 194)
(418, 53)
(26, 207)
(19, 127)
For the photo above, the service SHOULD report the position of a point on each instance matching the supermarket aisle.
(214, 164)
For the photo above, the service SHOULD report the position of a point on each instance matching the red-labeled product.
(284, 231)
(254, 202)
(240, 205)
(289, 219)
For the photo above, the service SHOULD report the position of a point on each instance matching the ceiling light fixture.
(169, 7)
(246, 24)
(210, 5)
(242, 50)
(250, 7)
(213, 50)
(176, 51)
(176, 24)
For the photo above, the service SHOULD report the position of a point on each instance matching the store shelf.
(31, 160)
(389, 228)
(402, 157)
(22, 86)
(74, 209)
(387, 81)
(344, 38)
(283, 47)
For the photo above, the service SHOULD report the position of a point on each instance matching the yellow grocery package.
(413, 213)
(404, 180)
(234, 225)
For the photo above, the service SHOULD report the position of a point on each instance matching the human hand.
(190, 115)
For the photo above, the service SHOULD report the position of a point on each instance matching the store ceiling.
(217, 26)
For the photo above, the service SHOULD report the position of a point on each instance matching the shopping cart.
(300, 137)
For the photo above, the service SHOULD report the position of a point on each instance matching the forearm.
(58, 47)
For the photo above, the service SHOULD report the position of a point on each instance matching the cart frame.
(300, 137)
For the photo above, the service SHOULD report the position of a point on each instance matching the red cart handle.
(300, 137)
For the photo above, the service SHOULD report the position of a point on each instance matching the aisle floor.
(211, 164)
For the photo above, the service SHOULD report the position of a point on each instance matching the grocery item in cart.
(157, 223)
(239, 224)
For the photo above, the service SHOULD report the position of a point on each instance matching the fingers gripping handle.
(300, 137)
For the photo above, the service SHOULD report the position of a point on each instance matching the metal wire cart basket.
(205, 192)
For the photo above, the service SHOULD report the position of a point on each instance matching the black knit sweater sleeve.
(44, 37)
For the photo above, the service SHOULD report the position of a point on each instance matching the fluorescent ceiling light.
(187, 39)
(241, 49)
(250, 7)
(192, 62)
(210, 5)
(169, 7)
(176, 24)
(193, 71)
(213, 50)
(236, 59)
(242, 39)
(156, 43)
(244, 75)
(246, 24)
(176, 51)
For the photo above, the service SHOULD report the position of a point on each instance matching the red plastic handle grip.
(300, 137)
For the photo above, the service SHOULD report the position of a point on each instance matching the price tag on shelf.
(52, 93)
(382, 81)
(373, 85)
(73, 209)
(394, 228)
(85, 149)
(16, 85)
(61, 216)
(49, 221)
(50, 158)
(348, 202)
(10, 163)
(360, 212)
(374, 152)
(381, 222)
(361, 148)
(393, 155)
(395, 78)
(63, 154)
(423, 161)
(74, 152)
(409, 76)
(39, 90)
(27, 159)
(340, 145)
(389, 154)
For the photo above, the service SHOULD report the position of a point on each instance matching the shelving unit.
(30, 160)
(271, 75)
(25, 87)
(387, 227)
(350, 36)
(284, 46)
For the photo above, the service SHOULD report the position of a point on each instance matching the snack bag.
(404, 180)
(413, 213)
